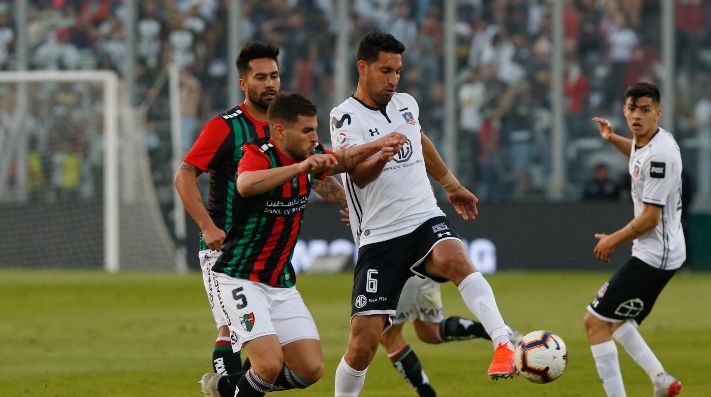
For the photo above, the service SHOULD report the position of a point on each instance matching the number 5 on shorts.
(371, 284)
(239, 297)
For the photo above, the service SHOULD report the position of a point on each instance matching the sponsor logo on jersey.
(657, 169)
(342, 140)
(374, 131)
(602, 290)
(630, 308)
(405, 153)
(439, 227)
(360, 301)
(338, 123)
(247, 321)
(409, 118)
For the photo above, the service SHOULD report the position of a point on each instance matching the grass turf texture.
(73, 334)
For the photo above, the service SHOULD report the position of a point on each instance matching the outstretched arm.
(358, 161)
(637, 227)
(623, 144)
(185, 182)
(255, 182)
(463, 201)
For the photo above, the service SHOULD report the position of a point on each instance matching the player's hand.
(388, 152)
(318, 163)
(605, 127)
(464, 202)
(393, 139)
(604, 247)
(345, 218)
(214, 237)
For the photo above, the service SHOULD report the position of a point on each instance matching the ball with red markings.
(541, 356)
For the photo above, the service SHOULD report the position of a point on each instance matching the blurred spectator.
(577, 90)
(58, 52)
(190, 94)
(471, 99)
(601, 187)
(7, 36)
(35, 170)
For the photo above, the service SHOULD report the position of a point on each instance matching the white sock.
(349, 381)
(479, 298)
(605, 355)
(628, 336)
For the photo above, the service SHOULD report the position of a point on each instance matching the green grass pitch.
(74, 334)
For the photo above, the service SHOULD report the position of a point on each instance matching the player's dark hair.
(288, 106)
(255, 50)
(374, 42)
(641, 90)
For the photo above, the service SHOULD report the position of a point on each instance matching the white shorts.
(254, 310)
(208, 258)
(420, 299)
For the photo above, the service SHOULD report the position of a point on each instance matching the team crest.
(247, 321)
(635, 173)
(630, 308)
(409, 118)
(440, 227)
(602, 290)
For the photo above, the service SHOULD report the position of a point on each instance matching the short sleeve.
(658, 180)
(344, 130)
(253, 160)
(208, 143)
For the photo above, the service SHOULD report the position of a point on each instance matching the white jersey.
(401, 198)
(656, 179)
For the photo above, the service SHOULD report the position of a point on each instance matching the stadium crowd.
(504, 51)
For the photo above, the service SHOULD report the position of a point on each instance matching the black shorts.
(631, 292)
(383, 268)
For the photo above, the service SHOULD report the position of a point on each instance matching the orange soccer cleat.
(502, 365)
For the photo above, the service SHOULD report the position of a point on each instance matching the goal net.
(75, 181)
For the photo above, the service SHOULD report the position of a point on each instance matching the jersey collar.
(251, 118)
(382, 110)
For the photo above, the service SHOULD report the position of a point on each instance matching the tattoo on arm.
(189, 167)
(330, 190)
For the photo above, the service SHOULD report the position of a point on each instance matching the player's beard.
(258, 100)
(381, 97)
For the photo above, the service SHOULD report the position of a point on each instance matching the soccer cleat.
(666, 386)
(502, 365)
(208, 384)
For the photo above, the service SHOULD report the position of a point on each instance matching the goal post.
(71, 107)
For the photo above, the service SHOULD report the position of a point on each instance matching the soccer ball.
(541, 356)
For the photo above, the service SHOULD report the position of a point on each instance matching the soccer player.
(658, 249)
(421, 303)
(253, 278)
(394, 213)
(217, 151)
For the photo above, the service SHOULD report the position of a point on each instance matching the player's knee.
(312, 371)
(268, 368)
(360, 355)
(223, 330)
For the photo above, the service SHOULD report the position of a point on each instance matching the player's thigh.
(291, 318)
(208, 258)
(449, 260)
(246, 308)
(630, 293)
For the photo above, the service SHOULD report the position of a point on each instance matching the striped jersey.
(217, 151)
(261, 241)
(655, 169)
(401, 198)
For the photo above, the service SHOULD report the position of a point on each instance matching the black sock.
(408, 365)
(251, 385)
(227, 384)
(289, 379)
(224, 360)
(458, 328)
